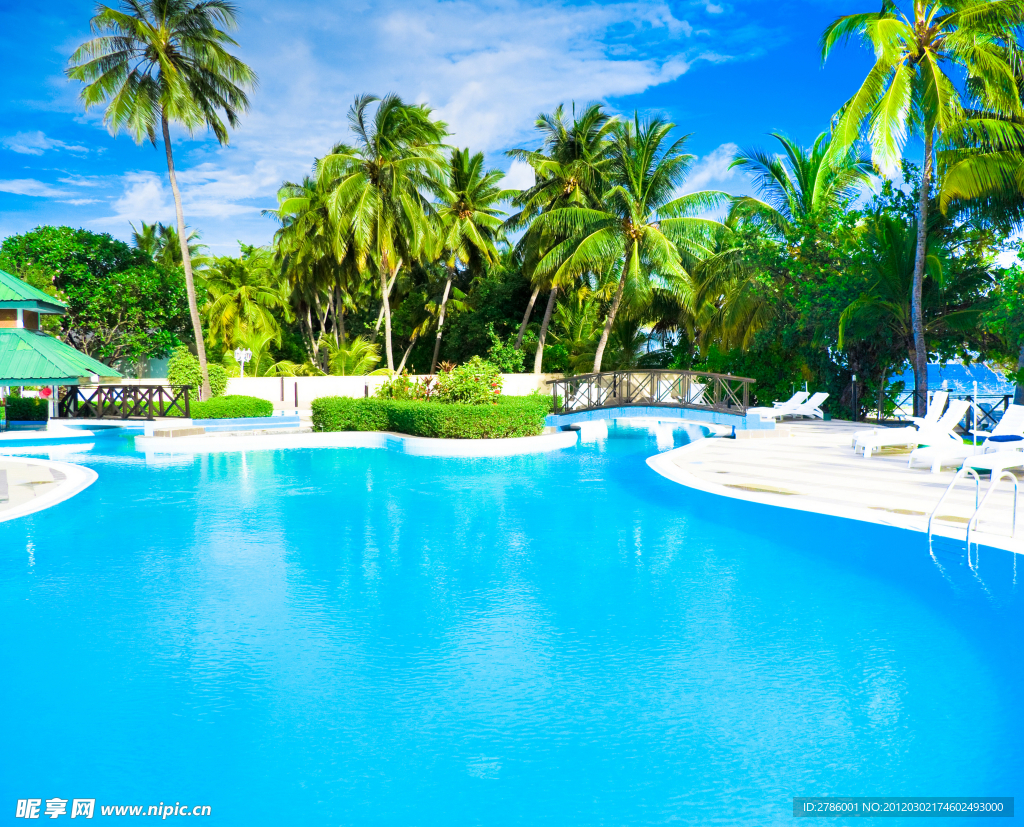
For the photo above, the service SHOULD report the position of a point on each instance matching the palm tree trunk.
(186, 260)
(526, 317)
(386, 310)
(603, 343)
(408, 350)
(440, 324)
(920, 357)
(380, 315)
(538, 358)
(341, 322)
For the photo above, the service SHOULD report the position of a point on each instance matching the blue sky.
(729, 72)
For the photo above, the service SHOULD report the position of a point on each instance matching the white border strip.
(412, 445)
(665, 465)
(77, 479)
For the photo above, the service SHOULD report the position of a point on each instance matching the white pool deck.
(34, 484)
(815, 469)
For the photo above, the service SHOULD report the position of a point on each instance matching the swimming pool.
(363, 637)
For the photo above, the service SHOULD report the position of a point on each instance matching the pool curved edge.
(77, 479)
(664, 465)
(402, 443)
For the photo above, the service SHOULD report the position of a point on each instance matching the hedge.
(183, 369)
(27, 409)
(231, 407)
(512, 416)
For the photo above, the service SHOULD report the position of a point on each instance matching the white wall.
(313, 387)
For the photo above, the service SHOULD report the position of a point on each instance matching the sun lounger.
(935, 408)
(938, 404)
(811, 407)
(940, 431)
(1008, 435)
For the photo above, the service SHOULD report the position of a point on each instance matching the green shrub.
(26, 409)
(474, 383)
(402, 387)
(231, 407)
(340, 413)
(512, 416)
(503, 354)
(183, 369)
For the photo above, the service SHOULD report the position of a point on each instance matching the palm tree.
(569, 170)
(161, 61)
(245, 293)
(322, 274)
(468, 221)
(883, 314)
(160, 242)
(378, 187)
(641, 225)
(357, 357)
(912, 89)
(800, 183)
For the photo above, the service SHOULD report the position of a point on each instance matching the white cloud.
(32, 187)
(519, 176)
(144, 198)
(36, 143)
(488, 68)
(712, 171)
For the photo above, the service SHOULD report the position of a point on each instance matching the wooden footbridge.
(717, 398)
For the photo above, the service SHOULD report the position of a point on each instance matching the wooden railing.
(669, 388)
(124, 401)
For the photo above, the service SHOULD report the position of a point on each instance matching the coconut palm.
(379, 186)
(157, 62)
(799, 183)
(883, 312)
(642, 226)
(568, 170)
(468, 223)
(245, 294)
(912, 88)
(323, 275)
(356, 357)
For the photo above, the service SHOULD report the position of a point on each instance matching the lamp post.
(242, 355)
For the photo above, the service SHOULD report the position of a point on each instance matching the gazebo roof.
(28, 357)
(16, 293)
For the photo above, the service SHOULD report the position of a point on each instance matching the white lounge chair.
(940, 431)
(796, 399)
(1008, 435)
(935, 409)
(804, 407)
(811, 408)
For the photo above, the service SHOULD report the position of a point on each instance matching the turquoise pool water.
(359, 637)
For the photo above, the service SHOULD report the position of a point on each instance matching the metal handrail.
(957, 477)
(664, 388)
(996, 479)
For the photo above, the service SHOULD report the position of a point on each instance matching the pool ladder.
(972, 523)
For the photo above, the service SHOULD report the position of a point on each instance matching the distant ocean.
(961, 378)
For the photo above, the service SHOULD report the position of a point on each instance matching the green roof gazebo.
(30, 357)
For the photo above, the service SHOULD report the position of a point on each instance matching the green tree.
(798, 184)
(245, 293)
(569, 170)
(160, 242)
(120, 304)
(379, 187)
(912, 89)
(468, 223)
(642, 226)
(155, 62)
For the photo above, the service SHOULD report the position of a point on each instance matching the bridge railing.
(124, 401)
(669, 388)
